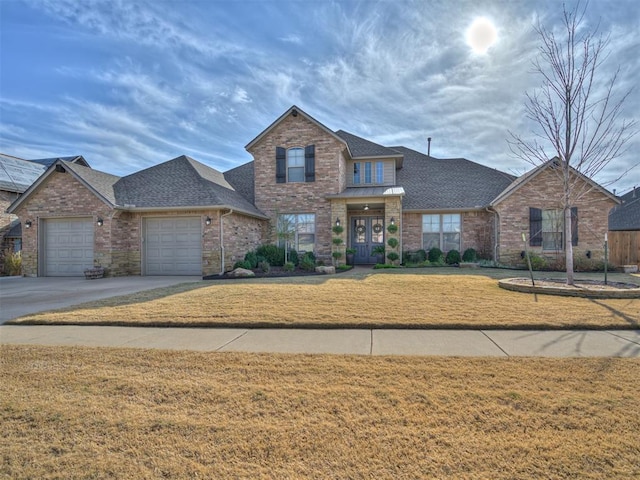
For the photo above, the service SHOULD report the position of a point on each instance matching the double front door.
(366, 234)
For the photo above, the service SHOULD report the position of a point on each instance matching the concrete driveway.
(21, 295)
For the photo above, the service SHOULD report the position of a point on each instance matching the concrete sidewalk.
(475, 343)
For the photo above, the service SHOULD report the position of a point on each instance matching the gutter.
(222, 239)
(490, 209)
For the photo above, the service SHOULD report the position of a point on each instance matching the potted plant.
(350, 255)
(378, 251)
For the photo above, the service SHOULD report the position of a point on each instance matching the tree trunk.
(568, 245)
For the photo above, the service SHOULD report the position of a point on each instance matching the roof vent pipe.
(429, 147)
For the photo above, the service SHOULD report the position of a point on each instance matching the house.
(182, 217)
(624, 230)
(16, 175)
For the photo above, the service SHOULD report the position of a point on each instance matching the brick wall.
(118, 242)
(544, 192)
(61, 195)
(6, 199)
(278, 198)
(477, 232)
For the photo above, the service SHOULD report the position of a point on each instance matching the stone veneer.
(305, 197)
(544, 191)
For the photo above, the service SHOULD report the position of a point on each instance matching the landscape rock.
(242, 272)
(324, 269)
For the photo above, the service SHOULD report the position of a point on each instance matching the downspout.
(495, 232)
(222, 240)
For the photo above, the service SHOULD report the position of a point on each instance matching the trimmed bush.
(310, 255)
(393, 256)
(293, 257)
(308, 263)
(392, 228)
(272, 254)
(453, 257)
(289, 267)
(264, 266)
(435, 255)
(392, 242)
(336, 241)
(252, 258)
(537, 262)
(469, 255)
(338, 229)
(242, 264)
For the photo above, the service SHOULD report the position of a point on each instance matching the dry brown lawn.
(375, 300)
(79, 413)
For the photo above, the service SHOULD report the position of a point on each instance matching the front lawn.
(78, 413)
(403, 298)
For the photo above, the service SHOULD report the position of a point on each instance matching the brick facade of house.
(544, 191)
(304, 197)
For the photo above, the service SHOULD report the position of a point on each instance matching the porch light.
(337, 221)
(393, 221)
(100, 222)
(366, 207)
(27, 224)
(588, 253)
(207, 221)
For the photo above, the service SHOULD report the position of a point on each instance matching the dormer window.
(296, 164)
(368, 173)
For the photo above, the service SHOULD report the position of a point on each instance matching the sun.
(481, 35)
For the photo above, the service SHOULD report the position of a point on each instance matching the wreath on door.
(377, 228)
(360, 229)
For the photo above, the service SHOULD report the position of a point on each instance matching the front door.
(366, 234)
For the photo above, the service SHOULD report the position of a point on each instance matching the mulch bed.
(274, 272)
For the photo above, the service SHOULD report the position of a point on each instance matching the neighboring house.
(626, 216)
(16, 175)
(624, 230)
(182, 217)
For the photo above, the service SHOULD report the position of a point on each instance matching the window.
(297, 231)
(379, 172)
(295, 165)
(546, 228)
(373, 173)
(552, 226)
(442, 231)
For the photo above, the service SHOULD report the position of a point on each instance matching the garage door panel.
(173, 246)
(68, 246)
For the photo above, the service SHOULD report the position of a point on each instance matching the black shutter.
(281, 165)
(310, 163)
(574, 226)
(535, 227)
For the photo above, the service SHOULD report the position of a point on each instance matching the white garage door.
(173, 246)
(68, 246)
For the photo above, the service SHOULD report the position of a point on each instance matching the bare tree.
(580, 125)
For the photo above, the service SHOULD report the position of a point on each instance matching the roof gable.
(98, 183)
(47, 162)
(295, 111)
(532, 174)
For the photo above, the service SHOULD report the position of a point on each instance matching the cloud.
(291, 38)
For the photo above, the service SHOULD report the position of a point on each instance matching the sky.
(130, 84)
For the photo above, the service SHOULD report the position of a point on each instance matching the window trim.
(441, 232)
(301, 159)
(294, 243)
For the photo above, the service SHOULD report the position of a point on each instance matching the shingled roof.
(627, 215)
(447, 184)
(362, 148)
(181, 182)
(16, 174)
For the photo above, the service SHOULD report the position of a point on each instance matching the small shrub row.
(266, 256)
